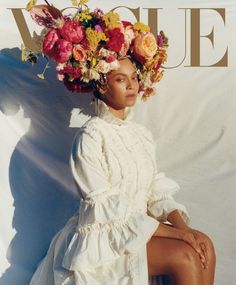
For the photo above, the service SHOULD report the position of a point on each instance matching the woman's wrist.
(177, 221)
(168, 232)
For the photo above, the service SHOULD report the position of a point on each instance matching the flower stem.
(47, 2)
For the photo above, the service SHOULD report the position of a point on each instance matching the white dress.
(104, 243)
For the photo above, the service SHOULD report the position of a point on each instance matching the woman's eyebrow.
(120, 73)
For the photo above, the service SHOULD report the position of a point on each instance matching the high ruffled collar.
(103, 112)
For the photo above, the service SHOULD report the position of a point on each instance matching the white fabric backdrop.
(192, 119)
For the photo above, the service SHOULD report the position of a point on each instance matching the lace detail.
(103, 112)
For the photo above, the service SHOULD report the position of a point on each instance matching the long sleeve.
(161, 201)
(160, 196)
(106, 228)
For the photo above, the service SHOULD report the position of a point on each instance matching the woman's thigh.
(166, 256)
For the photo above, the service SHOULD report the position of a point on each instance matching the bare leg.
(175, 258)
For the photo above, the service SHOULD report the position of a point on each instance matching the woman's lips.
(131, 96)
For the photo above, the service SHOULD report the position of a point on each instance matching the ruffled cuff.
(97, 242)
(161, 202)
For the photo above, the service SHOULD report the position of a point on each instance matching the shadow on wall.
(41, 183)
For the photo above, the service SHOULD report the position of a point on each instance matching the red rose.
(126, 23)
(72, 31)
(76, 86)
(110, 58)
(116, 39)
(72, 72)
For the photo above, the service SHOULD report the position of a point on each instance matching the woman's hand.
(202, 241)
(196, 242)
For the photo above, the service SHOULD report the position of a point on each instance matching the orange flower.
(79, 53)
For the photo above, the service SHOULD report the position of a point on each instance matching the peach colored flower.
(145, 45)
(79, 53)
(157, 76)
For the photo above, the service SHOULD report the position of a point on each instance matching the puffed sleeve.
(106, 227)
(160, 197)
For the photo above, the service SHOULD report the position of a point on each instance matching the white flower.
(60, 66)
(104, 52)
(129, 35)
(146, 79)
(103, 66)
(90, 74)
(114, 64)
(60, 76)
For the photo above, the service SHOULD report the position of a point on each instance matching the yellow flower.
(81, 2)
(112, 20)
(30, 4)
(84, 16)
(94, 61)
(141, 27)
(94, 37)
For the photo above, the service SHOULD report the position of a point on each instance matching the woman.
(119, 235)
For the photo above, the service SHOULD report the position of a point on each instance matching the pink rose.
(72, 31)
(49, 41)
(124, 48)
(62, 51)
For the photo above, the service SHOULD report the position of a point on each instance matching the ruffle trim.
(103, 112)
(163, 187)
(97, 247)
(161, 209)
(160, 199)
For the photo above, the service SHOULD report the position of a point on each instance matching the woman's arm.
(176, 220)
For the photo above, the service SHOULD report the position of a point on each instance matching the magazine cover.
(117, 143)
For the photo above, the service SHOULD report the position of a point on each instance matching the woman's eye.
(122, 79)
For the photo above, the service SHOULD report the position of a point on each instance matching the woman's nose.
(130, 84)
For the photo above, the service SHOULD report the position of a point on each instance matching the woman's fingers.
(205, 251)
(190, 239)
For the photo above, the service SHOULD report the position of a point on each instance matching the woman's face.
(122, 86)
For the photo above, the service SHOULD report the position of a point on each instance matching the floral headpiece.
(87, 45)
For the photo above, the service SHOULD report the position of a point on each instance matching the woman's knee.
(187, 258)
